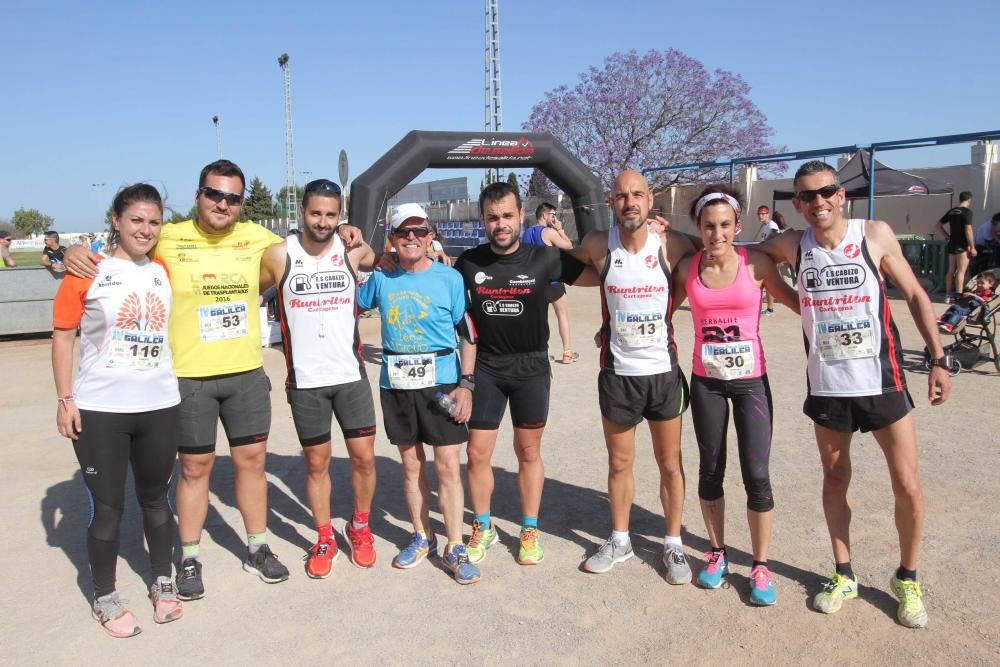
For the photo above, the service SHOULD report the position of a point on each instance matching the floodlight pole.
(218, 138)
(291, 212)
(494, 105)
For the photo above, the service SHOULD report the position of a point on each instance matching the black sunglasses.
(809, 196)
(419, 232)
(321, 185)
(218, 195)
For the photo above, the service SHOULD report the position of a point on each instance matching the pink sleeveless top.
(726, 325)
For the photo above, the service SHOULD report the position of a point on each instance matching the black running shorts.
(412, 416)
(241, 400)
(858, 413)
(351, 403)
(555, 291)
(627, 400)
(528, 396)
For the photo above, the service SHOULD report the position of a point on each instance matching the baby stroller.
(975, 338)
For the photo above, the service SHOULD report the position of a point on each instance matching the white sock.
(620, 537)
(669, 539)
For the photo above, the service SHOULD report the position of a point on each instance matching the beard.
(318, 236)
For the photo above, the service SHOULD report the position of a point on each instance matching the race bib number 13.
(849, 338)
(639, 329)
(222, 321)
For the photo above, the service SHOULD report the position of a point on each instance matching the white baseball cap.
(404, 212)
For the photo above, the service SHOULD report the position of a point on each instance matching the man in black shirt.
(52, 253)
(507, 285)
(961, 244)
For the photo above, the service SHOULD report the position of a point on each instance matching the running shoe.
(189, 584)
(911, 612)
(762, 587)
(265, 564)
(166, 606)
(481, 541)
(835, 591)
(608, 555)
(530, 552)
(109, 610)
(319, 562)
(418, 549)
(715, 569)
(678, 570)
(362, 545)
(457, 561)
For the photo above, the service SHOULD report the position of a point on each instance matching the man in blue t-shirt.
(421, 304)
(548, 231)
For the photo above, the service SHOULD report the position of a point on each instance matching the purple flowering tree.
(656, 109)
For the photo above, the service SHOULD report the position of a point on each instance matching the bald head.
(631, 200)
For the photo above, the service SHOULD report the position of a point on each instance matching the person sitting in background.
(6, 259)
(967, 302)
(53, 253)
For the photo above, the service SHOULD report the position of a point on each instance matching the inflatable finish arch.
(421, 150)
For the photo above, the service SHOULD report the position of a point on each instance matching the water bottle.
(446, 402)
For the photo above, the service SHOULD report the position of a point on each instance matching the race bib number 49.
(222, 321)
(135, 349)
(849, 338)
(411, 371)
(639, 329)
(728, 361)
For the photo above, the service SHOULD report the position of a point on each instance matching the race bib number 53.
(849, 338)
(222, 321)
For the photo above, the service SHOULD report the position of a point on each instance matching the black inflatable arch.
(420, 150)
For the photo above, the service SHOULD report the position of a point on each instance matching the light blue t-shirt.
(419, 314)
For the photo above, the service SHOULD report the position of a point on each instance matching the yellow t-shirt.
(214, 324)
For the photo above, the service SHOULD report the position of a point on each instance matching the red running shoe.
(362, 545)
(321, 557)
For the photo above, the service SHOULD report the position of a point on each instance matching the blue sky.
(107, 93)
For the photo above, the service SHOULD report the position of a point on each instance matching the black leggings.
(108, 443)
(752, 417)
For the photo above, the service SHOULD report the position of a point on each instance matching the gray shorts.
(350, 403)
(241, 400)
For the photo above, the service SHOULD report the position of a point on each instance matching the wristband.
(467, 382)
(65, 400)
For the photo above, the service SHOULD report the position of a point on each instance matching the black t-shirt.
(957, 219)
(55, 256)
(508, 304)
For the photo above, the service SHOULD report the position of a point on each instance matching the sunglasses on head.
(809, 196)
(218, 195)
(419, 232)
(321, 185)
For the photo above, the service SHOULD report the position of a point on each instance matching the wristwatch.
(944, 362)
(467, 382)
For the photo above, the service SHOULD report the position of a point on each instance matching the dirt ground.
(550, 613)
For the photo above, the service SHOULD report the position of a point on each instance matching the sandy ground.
(549, 613)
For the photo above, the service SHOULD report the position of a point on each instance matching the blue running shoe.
(718, 567)
(418, 549)
(762, 587)
(457, 561)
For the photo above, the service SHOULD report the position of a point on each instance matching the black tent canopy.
(889, 182)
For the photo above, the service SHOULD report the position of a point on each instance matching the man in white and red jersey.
(317, 280)
(639, 376)
(854, 371)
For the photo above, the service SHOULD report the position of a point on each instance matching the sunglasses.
(218, 195)
(809, 196)
(321, 185)
(418, 232)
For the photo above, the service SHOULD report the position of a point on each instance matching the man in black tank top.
(961, 244)
(506, 283)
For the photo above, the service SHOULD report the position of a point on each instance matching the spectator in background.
(6, 259)
(987, 242)
(53, 253)
(96, 244)
(436, 251)
(780, 221)
(961, 244)
(768, 228)
(548, 231)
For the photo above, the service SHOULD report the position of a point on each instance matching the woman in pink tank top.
(723, 284)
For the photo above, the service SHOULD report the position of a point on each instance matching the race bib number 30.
(135, 349)
(639, 329)
(222, 321)
(411, 371)
(849, 338)
(728, 361)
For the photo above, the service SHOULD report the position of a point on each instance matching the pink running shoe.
(117, 621)
(166, 605)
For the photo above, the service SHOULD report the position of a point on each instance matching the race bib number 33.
(849, 338)
(222, 321)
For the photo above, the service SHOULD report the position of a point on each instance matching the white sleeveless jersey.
(636, 337)
(851, 342)
(319, 318)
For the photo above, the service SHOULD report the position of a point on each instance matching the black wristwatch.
(467, 382)
(944, 362)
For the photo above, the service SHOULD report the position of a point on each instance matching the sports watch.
(467, 382)
(944, 362)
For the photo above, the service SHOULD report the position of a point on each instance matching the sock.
(255, 541)
(452, 545)
(529, 522)
(719, 550)
(670, 539)
(190, 550)
(325, 532)
(845, 570)
(620, 537)
(359, 520)
(903, 573)
(759, 563)
(484, 520)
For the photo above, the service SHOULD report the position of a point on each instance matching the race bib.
(848, 338)
(135, 349)
(728, 361)
(639, 329)
(222, 321)
(411, 371)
